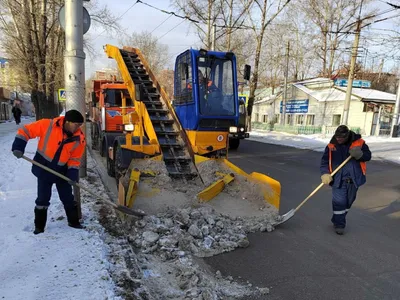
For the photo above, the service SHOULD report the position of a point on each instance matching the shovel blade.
(129, 211)
(285, 217)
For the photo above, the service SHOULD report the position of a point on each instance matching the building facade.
(319, 102)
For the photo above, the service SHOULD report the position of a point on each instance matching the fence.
(299, 129)
(5, 111)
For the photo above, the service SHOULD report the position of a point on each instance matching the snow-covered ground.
(382, 148)
(62, 262)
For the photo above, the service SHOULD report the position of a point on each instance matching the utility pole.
(354, 53)
(213, 37)
(395, 120)
(74, 63)
(74, 70)
(285, 85)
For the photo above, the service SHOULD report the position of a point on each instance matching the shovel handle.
(322, 184)
(71, 182)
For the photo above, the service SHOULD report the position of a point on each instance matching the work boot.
(40, 219)
(73, 218)
(339, 230)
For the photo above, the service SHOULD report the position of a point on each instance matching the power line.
(190, 19)
(161, 24)
(170, 30)
(126, 11)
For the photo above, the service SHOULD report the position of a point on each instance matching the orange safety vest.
(189, 85)
(357, 143)
(52, 137)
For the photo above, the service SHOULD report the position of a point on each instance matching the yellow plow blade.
(216, 188)
(270, 188)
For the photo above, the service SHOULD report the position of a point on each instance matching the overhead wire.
(189, 18)
(119, 17)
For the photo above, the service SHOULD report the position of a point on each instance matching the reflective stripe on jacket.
(356, 143)
(336, 153)
(55, 149)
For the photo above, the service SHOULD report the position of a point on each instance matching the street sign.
(86, 19)
(244, 98)
(62, 95)
(356, 83)
(296, 106)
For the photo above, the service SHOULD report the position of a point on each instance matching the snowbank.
(61, 263)
(382, 148)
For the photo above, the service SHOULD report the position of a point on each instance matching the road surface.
(304, 258)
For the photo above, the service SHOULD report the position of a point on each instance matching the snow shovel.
(291, 212)
(120, 208)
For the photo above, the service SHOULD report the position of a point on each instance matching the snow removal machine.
(184, 133)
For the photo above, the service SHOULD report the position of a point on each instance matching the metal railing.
(299, 129)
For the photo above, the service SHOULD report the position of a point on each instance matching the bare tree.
(262, 9)
(332, 18)
(155, 52)
(205, 12)
(227, 15)
(34, 42)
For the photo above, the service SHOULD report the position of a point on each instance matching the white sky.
(138, 19)
(142, 17)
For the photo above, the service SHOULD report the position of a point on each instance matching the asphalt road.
(304, 258)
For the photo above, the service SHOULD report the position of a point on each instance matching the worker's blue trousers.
(64, 190)
(343, 198)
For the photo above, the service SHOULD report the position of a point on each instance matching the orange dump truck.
(106, 113)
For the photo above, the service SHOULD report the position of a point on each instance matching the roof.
(373, 95)
(339, 94)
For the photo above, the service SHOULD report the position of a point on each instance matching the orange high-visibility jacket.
(54, 145)
(356, 143)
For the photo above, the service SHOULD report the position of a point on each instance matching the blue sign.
(244, 98)
(62, 95)
(356, 83)
(296, 106)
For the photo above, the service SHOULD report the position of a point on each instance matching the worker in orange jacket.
(61, 146)
(346, 182)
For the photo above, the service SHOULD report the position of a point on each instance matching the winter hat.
(342, 131)
(74, 116)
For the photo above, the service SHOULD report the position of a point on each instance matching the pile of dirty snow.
(159, 255)
(240, 198)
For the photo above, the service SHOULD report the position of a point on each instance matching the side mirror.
(241, 102)
(247, 72)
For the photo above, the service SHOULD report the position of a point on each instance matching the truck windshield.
(216, 87)
(114, 98)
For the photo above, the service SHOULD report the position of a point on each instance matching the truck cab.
(106, 112)
(206, 93)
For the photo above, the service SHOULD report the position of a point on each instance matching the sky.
(139, 18)
(180, 35)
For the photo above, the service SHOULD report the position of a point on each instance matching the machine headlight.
(233, 129)
(129, 127)
(241, 129)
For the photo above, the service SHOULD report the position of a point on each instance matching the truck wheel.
(118, 170)
(110, 167)
(103, 147)
(234, 144)
(95, 137)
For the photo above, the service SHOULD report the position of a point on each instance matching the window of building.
(299, 119)
(336, 120)
(265, 118)
(289, 119)
(310, 119)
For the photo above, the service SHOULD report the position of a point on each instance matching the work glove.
(356, 153)
(18, 153)
(326, 178)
